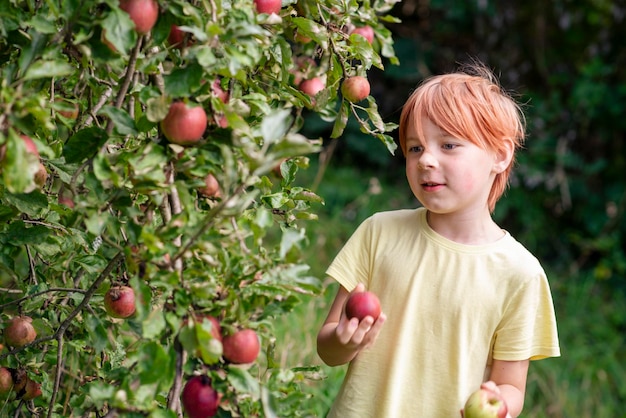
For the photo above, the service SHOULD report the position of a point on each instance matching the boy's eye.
(449, 146)
(415, 148)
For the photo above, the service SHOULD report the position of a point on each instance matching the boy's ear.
(504, 156)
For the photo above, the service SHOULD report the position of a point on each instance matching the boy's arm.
(340, 339)
(510, 378)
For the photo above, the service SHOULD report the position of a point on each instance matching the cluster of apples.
(199, 398)
(18, 333)
(354, 88)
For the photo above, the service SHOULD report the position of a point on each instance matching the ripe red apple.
(66, 200)
(362, 304)
(268, 6)
(211, 187)
(143, 12)
(485, 403)
(242, 347)
(31, 390)
(312, 86)
(199, 398)
(365, 31)
(20, 331)
(184, 125)
(119, 301)
(355, 88)
(6, 380)
(176, 37)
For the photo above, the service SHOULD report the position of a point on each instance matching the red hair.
(471, 105)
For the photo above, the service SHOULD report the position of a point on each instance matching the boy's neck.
(468, 229)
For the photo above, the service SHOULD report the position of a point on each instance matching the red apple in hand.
(362, 304)
(355, 89)
(184, 125)
(241, 347)
(20, 331)
(199, 398)
(485, 403)
(119, 301)
(144, 13)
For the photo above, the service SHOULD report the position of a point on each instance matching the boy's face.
(448, 175)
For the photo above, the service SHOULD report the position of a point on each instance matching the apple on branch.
(183, 124)
(365, 31)
(20, 331)
(268, 6)
(485, 403)
(355, 88)
(241, 347)
(119, 301)
(144, 13)
(199, 398)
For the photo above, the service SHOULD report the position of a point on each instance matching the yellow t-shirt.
(451, 309)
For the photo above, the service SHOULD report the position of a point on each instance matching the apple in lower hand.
(242, 347)
(362, 304)
(199, 398)
(485, 403)
(119, 301)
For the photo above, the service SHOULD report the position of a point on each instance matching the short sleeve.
(528, 327)
(351, 266)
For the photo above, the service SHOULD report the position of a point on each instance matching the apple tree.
(151, 222)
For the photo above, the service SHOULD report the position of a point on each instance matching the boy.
(464, 303)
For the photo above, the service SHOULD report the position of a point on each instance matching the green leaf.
(313, 30)
(290, 239)
(342, 120)
(124, 124)
(84, 144)
(153, 361)
(119, 30)
(98, 333)
(48, 69)
(243, 382)
(32, 50)
(32, 204)
(182, 82)
(275, 125)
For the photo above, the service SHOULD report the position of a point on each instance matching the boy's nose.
(427, 160)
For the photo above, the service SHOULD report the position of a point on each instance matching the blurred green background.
(566, 62)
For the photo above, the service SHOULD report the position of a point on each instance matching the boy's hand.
(358, 335)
